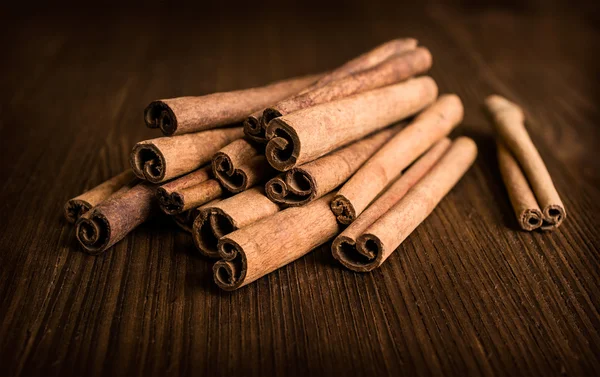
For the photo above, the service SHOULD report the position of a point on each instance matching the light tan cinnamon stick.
(344, 246)
(310, 181)
(258, 249)
(308, 134)
(81, 204)
(182, 115)
(509, 122)
(228, 215)
(376, 243)
(189, 191)
(185, 220)
(240, 165)
(111, 220)
(431, 125)
(161, 159)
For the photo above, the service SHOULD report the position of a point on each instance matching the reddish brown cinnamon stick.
(431, 125)
(256, 250)
(188, 192)
(228, 215)
(164, 158)
(185, 220)
(182, 115)
(308, 134)
(79, 205)
(310, 181)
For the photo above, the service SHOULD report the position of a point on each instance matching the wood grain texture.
(466, 293)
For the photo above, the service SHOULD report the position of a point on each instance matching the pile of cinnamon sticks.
(262, 176)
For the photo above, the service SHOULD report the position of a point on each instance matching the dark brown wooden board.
(466, 293)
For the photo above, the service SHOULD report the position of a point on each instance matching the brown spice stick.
(431, 125)
(81, 204)
(185, 220)
(161, 159)
(523, 201)
(344, 246)
(182, 115)
(111, 220)
(509, 122)
(310, 181)
(256, 250)
(188, 192)
(228, 215)
(308, 134)
(376, 243)
(240, 165)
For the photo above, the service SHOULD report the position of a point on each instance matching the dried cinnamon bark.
(161, 159)
(185, 220)
(258, 249)
(111, 220)
(228, 215)
(431, 125)
(376, 243)
(344, 246)
(240, 165)
(188, 192)
(308, 134)
(81, 204)
(310, 181)
(182, 115)
(509, 122)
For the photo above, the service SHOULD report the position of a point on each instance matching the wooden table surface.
(466, 293)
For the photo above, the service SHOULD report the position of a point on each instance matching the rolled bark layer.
(182, 115)
(308, 134)
(81, 204)
(431, 125)
(310, 181)
(190, 191)
(185, 220)
(376, 243)
(228, 215)
(344, 246)
(256, 250)
(164, 158)
(509, 122)
(110, 221)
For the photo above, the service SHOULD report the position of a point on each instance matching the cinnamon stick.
(228, 215)
(161, 159)
(188, 192)
(77, 206)
(310, 181)
(240, 165)
(308, 134)
(111, 220)
(185, 220)
(431, 125)
(182, 115)
(344, 247)
(376, 243)
(258, 249)
(509, 122)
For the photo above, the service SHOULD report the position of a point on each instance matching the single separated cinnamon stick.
(509, 122)
(185, 220)
(310, 181)
(375, 244)
(431, 125)
(161, 159)
(258, 249)
(255, 127)
(189, 191)
(344, 247)
(228, 215)
(308, 134)
(182, 115)
(240, 165)
(76, 207)
(111, 220)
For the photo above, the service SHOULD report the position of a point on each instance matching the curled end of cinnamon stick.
(296, 188)
(362, 256)
(234, 180)
(171, 204)
(530, 219)
(283, 148)
(159, 115)
(554, 215)
(229, 273)
(93, 233)
(210, 225)
(268, 115)
(254, 130)
(343, 210)
(75, 208)
(147, 162)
